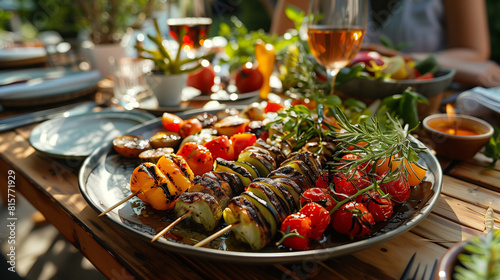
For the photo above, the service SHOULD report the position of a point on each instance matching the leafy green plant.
(492, 149)
(481, 259)
(402, 106)
(165, 62)
(107, 20)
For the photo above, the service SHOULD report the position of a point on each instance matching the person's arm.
(467, 30)
(280, 23)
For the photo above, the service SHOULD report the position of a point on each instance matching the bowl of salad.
(372, 75)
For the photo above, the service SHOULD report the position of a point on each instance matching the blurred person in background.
(455, 31)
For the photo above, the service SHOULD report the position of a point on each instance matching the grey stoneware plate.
(75, 137)
(104, 180)
(375, 89)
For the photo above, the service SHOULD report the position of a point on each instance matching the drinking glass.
(130, 86)
(335, 30)
(189, 22)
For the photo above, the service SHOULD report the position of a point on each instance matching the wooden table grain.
(51, 186)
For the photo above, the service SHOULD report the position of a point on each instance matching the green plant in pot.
(170, 70)
(476, 258)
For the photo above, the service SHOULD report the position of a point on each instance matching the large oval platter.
(104, 180)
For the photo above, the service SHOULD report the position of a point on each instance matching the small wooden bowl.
(459, 147)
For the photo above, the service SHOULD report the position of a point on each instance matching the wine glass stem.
(333, 73)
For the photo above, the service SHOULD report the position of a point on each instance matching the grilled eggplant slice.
(263, 191)
(292, 188)
(302, 168)
(249, 167)
(233, 180)
(222, 165)
(205, 209)
(312, 161)
(274, 150)
(224, 185)
(289, 172)
(250, 226)
(258, 157)
(282, 192)
(212, 187)
(266, 209)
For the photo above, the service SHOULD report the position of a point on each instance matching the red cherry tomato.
(221, 147)
(198, 157)
(242, 140)
(380, 207)
(320, 196)
(342, 186)
(171, 122)
(273, 107)
(320, 218)
(190, 127)
(399, 189)
(248, 79)
(352, 219)
(297, 229)
(202, 78)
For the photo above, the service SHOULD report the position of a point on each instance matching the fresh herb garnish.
(301, 124)
(379, 143)
(492, 149)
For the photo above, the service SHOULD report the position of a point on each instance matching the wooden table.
(51, 186)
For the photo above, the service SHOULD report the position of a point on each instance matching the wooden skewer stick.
(166, 229)
(215, 235)
(120, 202)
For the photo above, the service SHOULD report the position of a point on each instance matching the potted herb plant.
(107, 22)
(169, 76)
(476, 258)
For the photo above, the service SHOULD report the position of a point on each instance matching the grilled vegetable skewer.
(210, 193)
(159, 184)
(255, 215)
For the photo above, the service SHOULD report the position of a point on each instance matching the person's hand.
(484, 73)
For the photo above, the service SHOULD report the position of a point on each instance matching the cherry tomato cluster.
(352, 202)
(200, 157)
(309, 223)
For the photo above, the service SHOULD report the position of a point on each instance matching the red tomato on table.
(202, 78)
(248, 79)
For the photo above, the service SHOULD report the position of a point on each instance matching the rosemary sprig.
(380, 143)
(300, 125)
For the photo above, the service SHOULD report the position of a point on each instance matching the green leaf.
(296, 15)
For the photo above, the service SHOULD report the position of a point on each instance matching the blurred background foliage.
(60, 15)
(493, 9)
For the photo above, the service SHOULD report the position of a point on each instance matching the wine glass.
(335, 30)
(189, 23)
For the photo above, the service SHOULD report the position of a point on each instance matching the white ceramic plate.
(45, 85)
(21, 53)
(77, 136)
(190, 93)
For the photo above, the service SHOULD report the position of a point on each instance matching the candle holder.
(457, 137)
